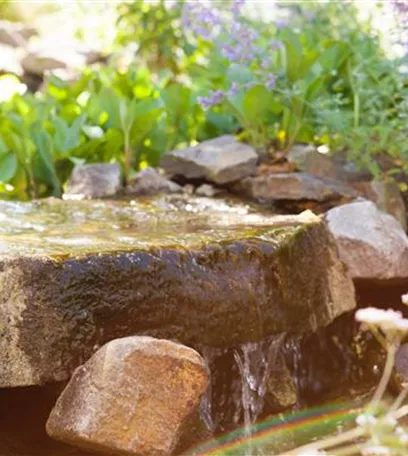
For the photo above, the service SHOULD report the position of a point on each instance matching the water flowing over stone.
(255, 361)
(74, 275)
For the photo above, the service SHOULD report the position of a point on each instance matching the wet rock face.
(220, 160)
(372, 243)
(199, 274)
(94, 181)
(133, 397)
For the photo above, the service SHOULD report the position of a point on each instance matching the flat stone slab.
(220, 160)
(75, 275)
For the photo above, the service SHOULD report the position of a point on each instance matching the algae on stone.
(76, 275)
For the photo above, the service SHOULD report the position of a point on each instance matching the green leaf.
(177, 99)
(3, 147)
(146, 114)
(257, 104)
(127, 114)
(240, 74)
(46, 170)
(106, 101)
(8, 167)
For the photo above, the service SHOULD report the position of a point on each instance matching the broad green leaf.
(8, 167)
(47, 170)
(177, 99)
(127, 114)
(240, 74)
(106, 101)
(257, 105)
(3, 146)
(146, 114)
(61, 132)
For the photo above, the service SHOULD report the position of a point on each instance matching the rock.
(76, 274)
(371, 243)
(281, 389)
(400, 380)
(348, 171)
(15, 34)
(150, 182)
(207, 190)
(294, 186)
(45, 56)
(132, 397)
(309, 160)
(220, 160)
(94, 181)
(188, 189)
(40, 62)
(387, 196)
(9, 60)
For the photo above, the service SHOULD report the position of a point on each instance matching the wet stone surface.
(74, 275)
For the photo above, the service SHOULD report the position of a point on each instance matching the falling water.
(206, 412)
(255, 362)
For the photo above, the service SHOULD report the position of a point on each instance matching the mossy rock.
(74, 275)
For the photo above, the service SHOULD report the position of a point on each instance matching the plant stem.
(353, 449)
(330, 441)
(128, 157)
(382, 386)
(337, 440)
(399, 400)
(356, 109)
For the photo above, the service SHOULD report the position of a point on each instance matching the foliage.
(325, 78)
(155, 27)
(378, 430)
(202, 70)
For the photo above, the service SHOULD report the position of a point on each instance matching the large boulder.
(371, 242)
(220, 160)
(133, 397)
(94, 181)
(74, 275)
(294, 186)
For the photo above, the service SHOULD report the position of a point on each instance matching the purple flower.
(266, 63)
(270, 82)
(237, 7)
(276, 44)
(281, 23)
(229, 52)
(212, 99)
(233, 89)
